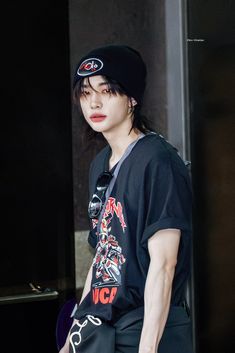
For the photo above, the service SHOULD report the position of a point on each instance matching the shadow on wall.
(216, 146)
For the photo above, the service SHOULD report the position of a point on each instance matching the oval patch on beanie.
(89, 66)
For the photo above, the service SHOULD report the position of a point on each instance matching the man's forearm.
(157, 301)
(87, 285)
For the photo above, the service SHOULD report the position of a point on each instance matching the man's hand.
(65, 348)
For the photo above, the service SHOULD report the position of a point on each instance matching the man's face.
(103, 110)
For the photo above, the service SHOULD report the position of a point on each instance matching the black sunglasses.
(96, 204)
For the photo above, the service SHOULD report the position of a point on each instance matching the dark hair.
(140, 122)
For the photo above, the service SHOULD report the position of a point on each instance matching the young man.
(140, 212)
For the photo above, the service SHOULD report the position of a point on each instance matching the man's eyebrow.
(103, 83)
(85, 85)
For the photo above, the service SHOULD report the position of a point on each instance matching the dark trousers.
(91, 335)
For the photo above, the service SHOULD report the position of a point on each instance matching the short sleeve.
(168, 197)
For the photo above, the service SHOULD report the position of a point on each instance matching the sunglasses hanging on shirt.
(98, 199)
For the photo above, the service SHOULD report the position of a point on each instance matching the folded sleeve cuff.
(165, 223)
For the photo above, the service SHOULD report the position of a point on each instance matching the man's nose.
(95, 100)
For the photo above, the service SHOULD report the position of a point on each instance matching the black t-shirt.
(152, 192)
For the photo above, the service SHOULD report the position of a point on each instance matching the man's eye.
(85, 93)
(107, 90)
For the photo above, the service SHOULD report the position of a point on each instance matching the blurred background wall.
(36, 184)
(211, 58)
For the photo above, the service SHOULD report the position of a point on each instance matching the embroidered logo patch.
(89, 66)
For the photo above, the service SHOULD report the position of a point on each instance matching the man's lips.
(96, 118)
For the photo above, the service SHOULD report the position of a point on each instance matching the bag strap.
(115, 174)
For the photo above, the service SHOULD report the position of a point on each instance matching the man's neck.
(119, 144)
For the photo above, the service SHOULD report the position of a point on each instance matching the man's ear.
(132, 102)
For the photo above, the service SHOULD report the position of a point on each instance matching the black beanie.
(118, 62)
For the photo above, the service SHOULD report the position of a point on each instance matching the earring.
(132, 103)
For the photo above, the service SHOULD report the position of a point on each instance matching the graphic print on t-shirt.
(109, 258)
